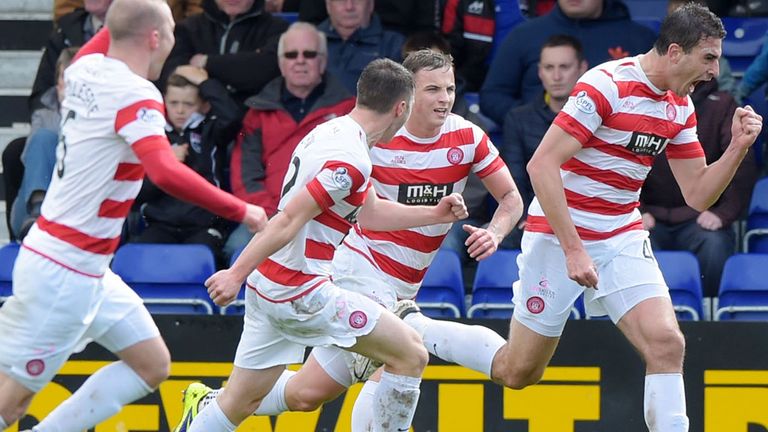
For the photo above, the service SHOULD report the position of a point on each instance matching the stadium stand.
(168, 277)
(492, 288)
(756, 235)
(743, 41)
(743, 289)
(442, 292)
(7, 259)
(683, 277)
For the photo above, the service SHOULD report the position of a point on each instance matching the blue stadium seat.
(756, 234)
(647, 8)
(7, 259)
(757, 100)
(442, 291)
(168, 277)
(652, 23)
(683, 276)
(291, 17)
(492, 288)
(237, 307)
(744, 289)
(743, 41)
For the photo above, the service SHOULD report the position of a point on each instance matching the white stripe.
(591, 188)
(607, 162)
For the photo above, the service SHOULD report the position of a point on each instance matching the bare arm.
(280, 230)
(556, 148)
(702, 184)
(481, 242)
(383, 215)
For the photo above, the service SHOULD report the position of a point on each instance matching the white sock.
(664, 403)
(274, 402)
(210, 397)
(395, 402)
(211, 419)
(362, 411)
(100, 397)
(471, 346)
(3, 424)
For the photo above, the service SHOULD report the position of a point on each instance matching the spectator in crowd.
(355, 38)
(536, 8)
(474, 29)
(672, 224)
(180, 8)
(73, 29)
(39, 155)
(279, 117)
(403, 16)
(560, 66)
(201, 120)
(603, 27)
(234, 41)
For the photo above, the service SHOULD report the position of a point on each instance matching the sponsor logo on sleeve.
(151, 116)
(342, 179)
(584, 103)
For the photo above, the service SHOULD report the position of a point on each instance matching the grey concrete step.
(17, 71)
(26, 9)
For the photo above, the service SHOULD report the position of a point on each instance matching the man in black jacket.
(235, 42)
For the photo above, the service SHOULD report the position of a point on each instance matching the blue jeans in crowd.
(39, 160)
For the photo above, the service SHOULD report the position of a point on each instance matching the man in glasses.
(279, 117)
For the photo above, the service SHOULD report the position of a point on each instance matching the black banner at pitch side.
(595, 384)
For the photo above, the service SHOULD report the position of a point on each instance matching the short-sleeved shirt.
(333, 164)
(622, 122)
(421, 171)
(109, 115)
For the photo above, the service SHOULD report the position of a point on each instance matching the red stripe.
(316, 250)
(397, 176)
(290, 299)
(619, 151)
(539, 224)
(357, 198)
(482, 150)
(603, 107)
(398, 270)
(637, 89)
(129, 172)
(150, 144)
(358, 179)
(333, 221)
(608, 177)
(494, 166)
(115, 209)
(57, 262)
(690, 121)
(410, 239)
(684, 151)
(321, 196)
(597, 205)
(130, 113)
(102, 246)
(573, 127)
(450, 139)
(480, 25)
(282, 275)
(449, 16)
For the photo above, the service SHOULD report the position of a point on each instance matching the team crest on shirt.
(358, 319)
(35, 367)
(342, 179)
(151, 116)
(584, 103)
(195, 141)
(455, 155)
(671, 112)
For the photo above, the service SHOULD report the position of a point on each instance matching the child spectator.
(202, 120)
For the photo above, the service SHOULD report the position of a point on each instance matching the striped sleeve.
(588, 106)
(335, 181)
(140, 120)
(486, 160)
(686, 145)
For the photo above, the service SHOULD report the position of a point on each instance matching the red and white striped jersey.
(622, 122)
(418, 171)
(333, 164)
(108, 113)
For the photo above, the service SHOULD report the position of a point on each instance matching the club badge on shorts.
(358, 319)
(35, 367)
(535, 305)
